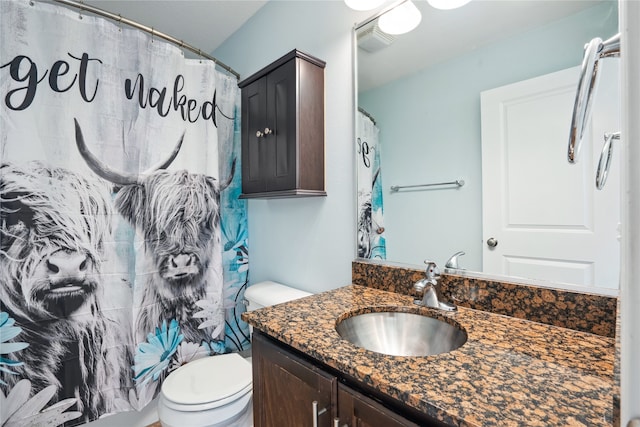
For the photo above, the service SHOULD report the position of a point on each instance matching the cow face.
(178, 215)
(53, 223)
(176, 212)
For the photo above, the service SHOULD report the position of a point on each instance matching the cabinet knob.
(259, 134)
(268, 131)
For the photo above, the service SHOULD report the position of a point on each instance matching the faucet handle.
(432, 271)
(452, 262)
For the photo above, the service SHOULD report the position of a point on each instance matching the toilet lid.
(208, 380)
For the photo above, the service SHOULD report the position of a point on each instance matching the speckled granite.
(510, 372)
(580, 311)
(616, 372)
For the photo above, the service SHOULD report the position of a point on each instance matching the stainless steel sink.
(401, 334)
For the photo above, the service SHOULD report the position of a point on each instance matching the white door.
(546, 216)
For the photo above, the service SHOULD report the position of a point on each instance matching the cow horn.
(224, 185)
(165, 163)
(118, 178)
(97, 166)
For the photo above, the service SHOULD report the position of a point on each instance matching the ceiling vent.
(372, 39)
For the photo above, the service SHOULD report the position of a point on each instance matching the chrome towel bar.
(457, 183)
(595, 50)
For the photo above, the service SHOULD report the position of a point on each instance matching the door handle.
(492, 243)
(316, 412)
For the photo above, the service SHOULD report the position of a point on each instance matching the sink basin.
(401, 334)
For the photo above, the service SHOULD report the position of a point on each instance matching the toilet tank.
(264, 294)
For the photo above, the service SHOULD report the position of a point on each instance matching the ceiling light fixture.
(447, 4)
(401, 19)
(363, 4)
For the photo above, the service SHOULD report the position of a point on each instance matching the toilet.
(216, 391)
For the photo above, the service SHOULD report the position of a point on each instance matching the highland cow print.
(53, 229)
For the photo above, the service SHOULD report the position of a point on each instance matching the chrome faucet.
(452, 262)
(428, 288)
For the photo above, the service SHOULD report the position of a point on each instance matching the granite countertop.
(510, 372)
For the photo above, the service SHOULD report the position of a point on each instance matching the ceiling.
(206, 24)
(445, 34)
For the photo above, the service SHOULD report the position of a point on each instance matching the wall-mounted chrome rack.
(458, 183)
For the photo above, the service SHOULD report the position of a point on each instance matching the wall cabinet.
(290, 390)
(283, 129)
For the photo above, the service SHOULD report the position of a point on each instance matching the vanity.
(511, 371)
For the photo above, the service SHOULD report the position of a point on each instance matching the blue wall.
(430, 131)
(307, 243)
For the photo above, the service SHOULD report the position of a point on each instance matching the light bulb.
(447, 4)
(401, 19)
(363, 4)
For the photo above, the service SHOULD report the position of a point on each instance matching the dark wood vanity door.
(357, 410)
(285, 387)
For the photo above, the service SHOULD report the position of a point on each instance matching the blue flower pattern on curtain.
(371, 237)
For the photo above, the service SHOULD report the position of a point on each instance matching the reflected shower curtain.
(371, 238)
(123, 246)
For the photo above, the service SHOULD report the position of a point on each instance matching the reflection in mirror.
(371, 241)
(484, 94)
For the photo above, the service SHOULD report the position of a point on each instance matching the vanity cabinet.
(357, 410)
(283, 129)
(285, 388)
(286, 385)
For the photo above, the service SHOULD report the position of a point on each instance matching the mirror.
(423, 89)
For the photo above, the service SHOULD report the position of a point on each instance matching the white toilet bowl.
(210, 392)
(216, 391)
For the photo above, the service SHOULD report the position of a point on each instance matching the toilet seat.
(208, 383)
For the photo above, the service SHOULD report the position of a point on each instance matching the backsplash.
(584, 312)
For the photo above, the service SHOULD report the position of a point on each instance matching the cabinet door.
(357, 410)
(282, 120)
(285, 387)
(254, 118)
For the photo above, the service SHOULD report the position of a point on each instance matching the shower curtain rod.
(363, 111)
(150, 30)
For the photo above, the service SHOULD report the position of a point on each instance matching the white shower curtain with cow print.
(118, 203)
(371, 237)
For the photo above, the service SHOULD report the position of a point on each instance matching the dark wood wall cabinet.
(283, 129)
(290, 389)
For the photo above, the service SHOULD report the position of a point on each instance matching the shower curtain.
(371, 238)
(123, 245)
